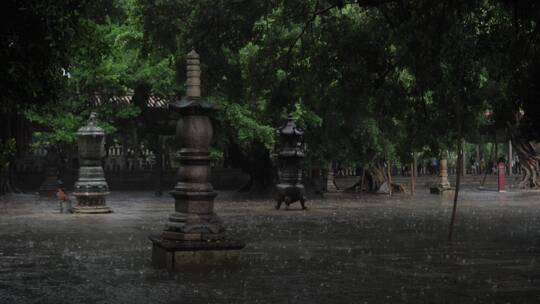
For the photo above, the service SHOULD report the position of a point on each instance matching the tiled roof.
(153, 101)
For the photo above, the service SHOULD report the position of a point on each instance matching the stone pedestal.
(91, 192)
(91, 187)
(193, 226)
(443, 184)
(193, 255)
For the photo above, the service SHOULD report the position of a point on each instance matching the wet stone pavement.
(372, 249)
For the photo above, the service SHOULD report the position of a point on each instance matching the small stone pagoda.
(290, 188)
(91, 187)
(193, 229)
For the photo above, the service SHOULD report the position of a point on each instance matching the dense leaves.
(369, 80)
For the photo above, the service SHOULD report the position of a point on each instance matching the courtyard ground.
(366, 249)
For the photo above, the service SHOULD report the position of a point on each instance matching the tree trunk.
(413, 175)
(5, 186)
(256, 163)
(529, 160)
(7, 166)
(359, 183)
(261, 173)
(389, 171)
(456, 193)
(376, 177)
(485, 169)
(362, 180)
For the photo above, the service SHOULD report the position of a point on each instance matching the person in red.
(501, 171)
(63, 199)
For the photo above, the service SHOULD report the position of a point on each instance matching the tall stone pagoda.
(193, 227)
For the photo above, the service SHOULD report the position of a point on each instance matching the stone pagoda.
(91, 187)
(290, 188)
(193, 228)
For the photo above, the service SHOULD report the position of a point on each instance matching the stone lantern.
(290, 188)
(193, 229)
(91, 186)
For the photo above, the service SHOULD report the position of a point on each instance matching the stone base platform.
(194, 255)
(91, 209)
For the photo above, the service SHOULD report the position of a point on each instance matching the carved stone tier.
(194, 217)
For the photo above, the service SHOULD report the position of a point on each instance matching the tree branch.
(304, 28)
(373, 3)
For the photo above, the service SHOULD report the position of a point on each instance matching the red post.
(502, 175)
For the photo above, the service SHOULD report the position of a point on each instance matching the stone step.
(474, 180)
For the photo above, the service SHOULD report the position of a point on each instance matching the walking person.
(63, 199)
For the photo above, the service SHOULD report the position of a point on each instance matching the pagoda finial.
(193, 81)
(92, 121)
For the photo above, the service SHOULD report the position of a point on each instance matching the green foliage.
(62, 120)
(216, 154)
(7, 150)
(109, 58)
(64, 125)
(364, 87)
(113, 57)
(367, 82)
(247, 128)
(304, 117)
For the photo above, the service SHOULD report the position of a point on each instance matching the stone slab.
(194, 255)
(91, 210)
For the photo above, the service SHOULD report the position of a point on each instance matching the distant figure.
(61, 195)
(405, 171)
(494, 168)
(63, 200)
(482, 166)
(433, 167)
